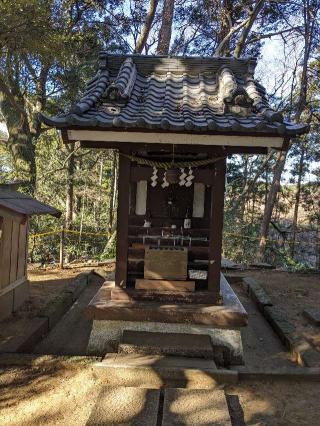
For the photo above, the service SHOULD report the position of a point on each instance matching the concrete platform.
(230, 315)
(178, 344)
(125, 406)
(227, 344)
(155, 371)
(195, 407)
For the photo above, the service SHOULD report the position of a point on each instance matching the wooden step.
(156, 371)
(175, 344)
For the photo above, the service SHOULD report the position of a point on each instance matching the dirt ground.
(292, 292)
(47, 283)
(59, 395)
(44, 285)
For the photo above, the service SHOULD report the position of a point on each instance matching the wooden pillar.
(216, 227)
(122, 220)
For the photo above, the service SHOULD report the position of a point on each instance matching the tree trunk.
(247, 28)
(112, 196)
(275, 187)
(297, 201)
(70, 187)
(143, 37)
(22, 149)
(166, 28)
(309, 28)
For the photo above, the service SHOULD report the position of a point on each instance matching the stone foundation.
(106, 335)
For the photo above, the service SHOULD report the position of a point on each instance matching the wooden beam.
(123, 220)
(216, 227)
(219, 150)
(156, 138)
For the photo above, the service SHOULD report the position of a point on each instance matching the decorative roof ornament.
(239, 102)
(120, 89)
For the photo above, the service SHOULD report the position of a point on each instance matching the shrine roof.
(23, 204)
(176, 94)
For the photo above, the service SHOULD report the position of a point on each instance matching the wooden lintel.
(219, 150)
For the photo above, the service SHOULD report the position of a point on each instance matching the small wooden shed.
(15, 209)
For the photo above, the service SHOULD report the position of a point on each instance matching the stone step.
(195, 407)
(157, 371)
(132, 406)
(125, 406)
(176, 344)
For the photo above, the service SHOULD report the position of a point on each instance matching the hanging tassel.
(182, 178)
(154, 177)
(190, 177)
(165, 183)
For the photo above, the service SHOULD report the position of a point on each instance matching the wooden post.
(123, 221)
(216, 227)
(61, 247)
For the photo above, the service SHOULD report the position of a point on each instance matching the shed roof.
(176, 94)
(23, 204)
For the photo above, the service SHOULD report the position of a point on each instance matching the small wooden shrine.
(15, 209)
(174, 121)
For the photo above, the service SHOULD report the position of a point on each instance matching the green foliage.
(48, 50)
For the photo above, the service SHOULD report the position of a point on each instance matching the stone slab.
(29, 336)
(257, 293)
(166, 285)
(313, 315)
(156, 371)
(303, 374)
(56, 308)
(21, 294)
(6, 305)
(279, 323)
(195, 407)
(304, 353)
(156, 343)
(77, 286)
(106, 335)
(126, 406)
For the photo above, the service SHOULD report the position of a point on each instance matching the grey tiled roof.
(177, 94)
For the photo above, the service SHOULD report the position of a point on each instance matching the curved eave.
(75, 121)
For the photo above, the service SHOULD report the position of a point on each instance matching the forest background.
(49, 49)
